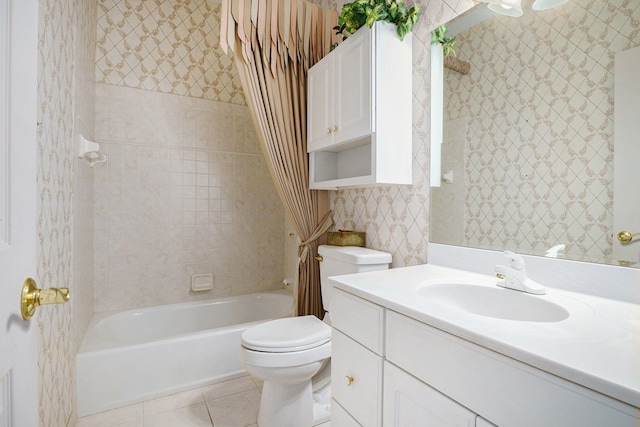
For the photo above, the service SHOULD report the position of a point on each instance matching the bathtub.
(131, 356)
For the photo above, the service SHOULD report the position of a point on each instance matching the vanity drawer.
(362, 396)
(359, 319)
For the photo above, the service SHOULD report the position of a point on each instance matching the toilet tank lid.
(354, 254)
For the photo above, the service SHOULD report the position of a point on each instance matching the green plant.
(360, 12)
(439, 35)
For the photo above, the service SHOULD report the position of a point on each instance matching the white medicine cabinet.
(359, 111)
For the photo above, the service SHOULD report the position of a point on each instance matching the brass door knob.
(32, 297)
(626, 236)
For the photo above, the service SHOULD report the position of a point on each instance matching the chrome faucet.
(515, 277)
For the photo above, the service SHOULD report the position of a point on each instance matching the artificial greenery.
(439, 35)
(360, 12)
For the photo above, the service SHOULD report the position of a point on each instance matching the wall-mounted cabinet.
(359, 111)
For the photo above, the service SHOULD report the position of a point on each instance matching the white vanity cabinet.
(359, 111)
(391, 370)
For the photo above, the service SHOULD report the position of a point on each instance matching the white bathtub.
(135, 355)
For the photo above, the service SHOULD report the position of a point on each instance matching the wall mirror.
(528, 143)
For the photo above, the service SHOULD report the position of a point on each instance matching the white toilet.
(292, 355)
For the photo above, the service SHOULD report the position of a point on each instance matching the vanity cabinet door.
(340, 417)
(481, 422)
(356, 379)
(410, 402)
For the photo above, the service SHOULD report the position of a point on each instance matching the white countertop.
(597, 346)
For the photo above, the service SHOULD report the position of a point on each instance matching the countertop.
(597, 346)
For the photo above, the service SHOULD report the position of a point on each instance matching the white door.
(18, 95)
(626, 156)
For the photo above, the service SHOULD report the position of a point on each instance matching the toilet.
(292, 355)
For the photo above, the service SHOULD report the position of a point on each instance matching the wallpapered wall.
(169, 46)
(186, 189)
(396, 218)
(538, 104)
(66, 99)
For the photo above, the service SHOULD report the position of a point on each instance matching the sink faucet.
(514, 276)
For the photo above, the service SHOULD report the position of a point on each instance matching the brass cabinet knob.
(348, 380)
(335, 128)
(626, 236)
(319, 258)
(32, 297)
(328, 131)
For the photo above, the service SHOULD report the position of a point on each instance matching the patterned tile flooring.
(232, 403)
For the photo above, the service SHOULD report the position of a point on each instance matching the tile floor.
(232, 403)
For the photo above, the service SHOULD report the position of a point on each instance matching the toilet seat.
(287, 335)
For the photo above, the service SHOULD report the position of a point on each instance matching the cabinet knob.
(335, 128)
(348, 380)
(328, 131)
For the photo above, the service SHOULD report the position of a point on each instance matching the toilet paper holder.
(90, 151)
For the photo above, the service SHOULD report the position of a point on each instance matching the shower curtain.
(274, 43)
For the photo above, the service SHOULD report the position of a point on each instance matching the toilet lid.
(286, 335)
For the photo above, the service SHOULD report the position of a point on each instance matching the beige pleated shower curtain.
(274, 42)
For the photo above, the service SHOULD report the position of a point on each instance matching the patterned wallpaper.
(185, 191)
(539, 144)
(65, 98)
(169, 46)
(396, 218)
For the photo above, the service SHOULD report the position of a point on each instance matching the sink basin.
(495, 302)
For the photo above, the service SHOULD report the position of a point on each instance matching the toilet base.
(286, 405)
(321, 413)
(302, 408)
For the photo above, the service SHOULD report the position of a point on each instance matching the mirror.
(527, 153)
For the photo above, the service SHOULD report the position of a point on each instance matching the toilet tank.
(338, 260)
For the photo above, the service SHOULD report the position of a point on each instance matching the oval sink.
(495, 302)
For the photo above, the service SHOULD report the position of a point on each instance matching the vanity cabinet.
(407, 373)
(359, 111)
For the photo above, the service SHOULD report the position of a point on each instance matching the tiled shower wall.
(396, 218)
(65, 209)
(186, 189)
(539, 146)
